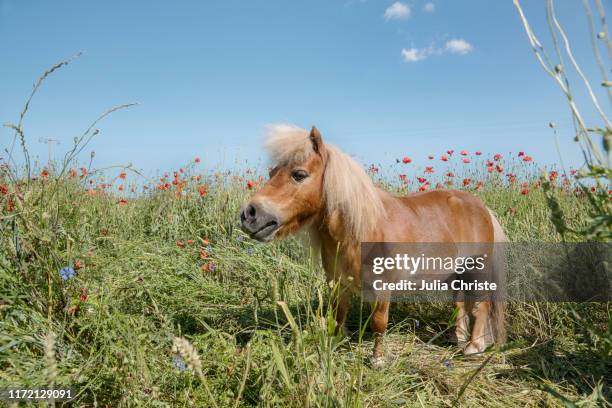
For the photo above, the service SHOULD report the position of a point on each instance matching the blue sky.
(379, 79)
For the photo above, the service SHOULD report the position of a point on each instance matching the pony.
(314, 186)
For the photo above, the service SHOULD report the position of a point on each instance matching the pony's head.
(309, 181)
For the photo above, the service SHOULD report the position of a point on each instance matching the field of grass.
(99, 286)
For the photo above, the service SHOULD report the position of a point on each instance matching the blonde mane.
(347, 188)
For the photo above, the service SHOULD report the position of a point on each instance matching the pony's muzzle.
(258, 222)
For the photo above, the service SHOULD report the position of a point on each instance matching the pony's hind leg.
(481, 332)
(378, 324)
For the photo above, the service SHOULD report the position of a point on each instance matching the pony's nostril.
(251, 211)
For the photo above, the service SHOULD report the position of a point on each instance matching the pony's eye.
(299, 175)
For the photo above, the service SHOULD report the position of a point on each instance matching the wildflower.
(552, 176)
(67, 273)
(402, 177)
(466, 182)
(180, 244)
(448, 364)
(421, 179)
(478, 153)
(450, 174)
(479, 185)
(463, 152)
(417, 324)
(250, 184)
(182, 170)
(121, 187)
(524, 191)
(83, 296)
(250, 250)
(450, 152)
(593, 189)
(205, 242)
(527, 158)
(439, 186)
(490, 169)
(521, 154)
(196, 160)
(406, 160)
(203, 254)
(72, 173)
(209, 267)
(497, 157)
(424, 187)
(179, 363)
(122, 201)
(429, 169)
(4, 189)
(78, 264)
(444, 158)
(189, 242)
(430, 157)
(466, 160)
(122, 175)
(44, 173)
(499, 168)
(83, 172)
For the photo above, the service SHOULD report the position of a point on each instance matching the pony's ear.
(317, 141)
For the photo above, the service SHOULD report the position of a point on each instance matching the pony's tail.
(498, 301)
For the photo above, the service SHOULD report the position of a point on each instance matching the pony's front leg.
(462, 324)
(378, 324)
(340, 306)
(481, 332)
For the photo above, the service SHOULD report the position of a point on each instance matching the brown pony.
(316, 186)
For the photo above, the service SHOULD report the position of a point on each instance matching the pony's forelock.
(347, 188)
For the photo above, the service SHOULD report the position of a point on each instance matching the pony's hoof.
(377, 361)
(472, 349)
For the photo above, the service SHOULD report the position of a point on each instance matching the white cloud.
(453, 46)
(429, 7)
(414, 54)
(458, 46)
(397, 10)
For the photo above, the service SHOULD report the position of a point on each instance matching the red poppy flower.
(479, 185)
(78, 264)
(521, 154)
(122, 175)
(429, 169)
(464, 152)
(490, 169)
(196, 160)
(527, 158)
(122, 201)
(83, 172)
(83, 296)
(466, 160)
(478, 153)
(72, 173)
(450, 152)
(250, 184)
(180, 244)
(421, 179)
(499, 168)
(44, 174)
(121, 187)
(424, 187)
(450, 174)
(497, 157)
(402, 177)
(4, 189)
(202, 190)
(189, 242)
(430, 157)
(466, 182)
(524, 191)
(406, 160)
(444, 158)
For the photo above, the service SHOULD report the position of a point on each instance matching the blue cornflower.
(448, 364)
(417, 324)
(179, 363)
(239, 238)
(66, 273)
(209, 249)
(212, 266)
(250, 250)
